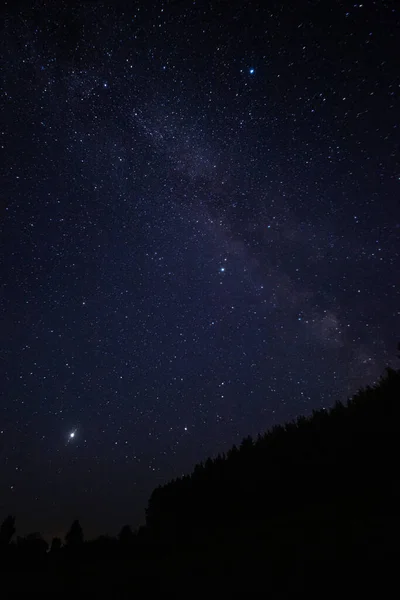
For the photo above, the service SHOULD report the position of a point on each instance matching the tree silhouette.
(55, 544)
(7, 530)
(126, 536)
(74, 537)
(32, 546)
(302, 473)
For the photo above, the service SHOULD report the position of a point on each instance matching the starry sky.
(199, 236)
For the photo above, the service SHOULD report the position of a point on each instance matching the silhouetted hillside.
(318, 486)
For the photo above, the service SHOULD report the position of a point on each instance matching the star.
(191, 222)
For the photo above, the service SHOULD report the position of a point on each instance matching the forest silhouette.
(309, 502)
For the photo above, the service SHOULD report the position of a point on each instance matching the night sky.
(199, 236)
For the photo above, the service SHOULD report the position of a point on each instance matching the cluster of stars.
(199, 236)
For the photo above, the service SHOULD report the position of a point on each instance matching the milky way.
(200, 232)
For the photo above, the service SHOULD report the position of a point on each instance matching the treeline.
(322, 489)
(34, 549)
(329, 470)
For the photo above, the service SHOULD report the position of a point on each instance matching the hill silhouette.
(320, 490)
(314, 500)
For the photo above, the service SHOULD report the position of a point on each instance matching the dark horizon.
(199, 237)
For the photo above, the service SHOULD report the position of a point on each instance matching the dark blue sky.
(199, 236)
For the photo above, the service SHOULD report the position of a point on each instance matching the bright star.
(222, 269)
